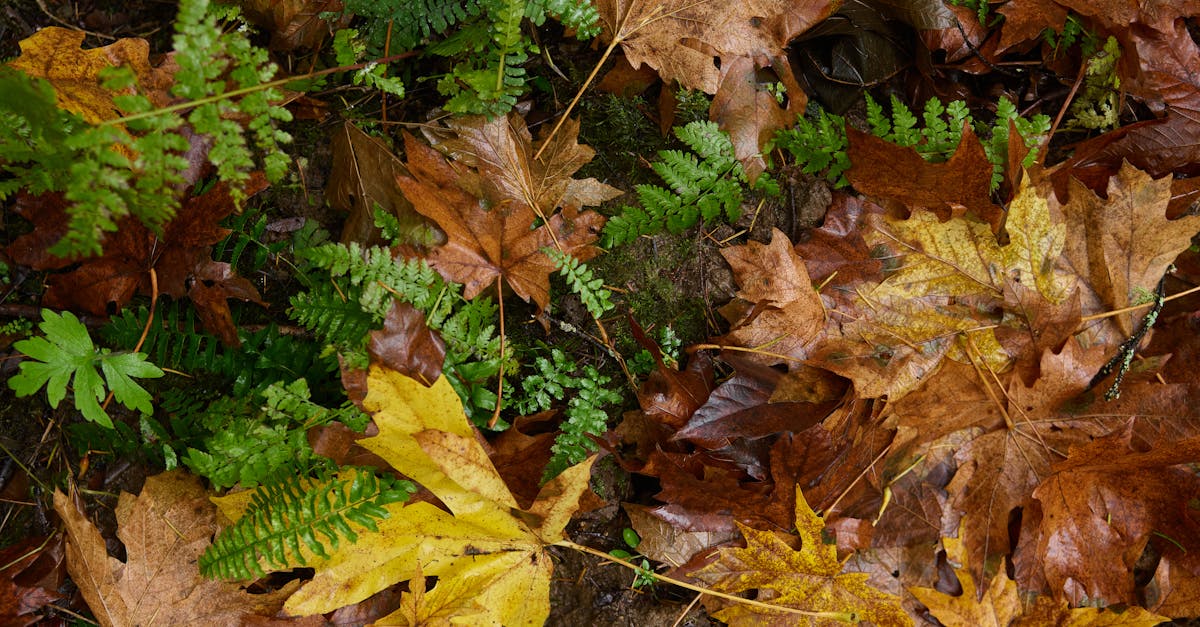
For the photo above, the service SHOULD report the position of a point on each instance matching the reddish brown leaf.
(487, 213)
(296, 23)
(1104, 503)
(33, 570)
(750, 114)
(407, 345)
(180, 258)
(954, 188)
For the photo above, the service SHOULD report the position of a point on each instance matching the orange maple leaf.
(489, 197)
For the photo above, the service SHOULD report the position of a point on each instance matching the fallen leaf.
(363, 177)
(485, 545)
(297, 23)
(1125, 241)
(1104, 503)
(1001, 605)
(676, 37)
(181, 259)
(164, 530)
(32, 573)
(960, 186)
(489, 198)
(53, 53)
(809, 579)
(407, 345)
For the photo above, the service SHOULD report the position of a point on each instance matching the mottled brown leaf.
(407, 345)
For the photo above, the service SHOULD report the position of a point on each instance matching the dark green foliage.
(485, 40)
(248, 442)
(704, 186)
(175, 340)
(106, 173)
(590, 290)
(291, 511)
(555, 379)
(247, 231)
(818, 146)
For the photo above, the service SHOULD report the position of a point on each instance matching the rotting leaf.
(407, 345)
(809, 579)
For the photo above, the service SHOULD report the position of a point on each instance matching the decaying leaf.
(181, 259)
(809, 579)
(489, 197)
(164, 530)
(485, 545)
(1001, 605)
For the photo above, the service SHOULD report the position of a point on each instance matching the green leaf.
(67, 352)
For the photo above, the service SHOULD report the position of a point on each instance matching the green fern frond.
(284, 519)
(590, 289)
(585, 417)
(704, 186)
(51, 150)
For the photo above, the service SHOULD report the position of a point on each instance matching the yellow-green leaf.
(810, 579)
(485, 545)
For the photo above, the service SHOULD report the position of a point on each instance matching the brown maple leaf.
(181, 259)
(956, 187)
(489, 197)
(1104, 503)
(164, 530)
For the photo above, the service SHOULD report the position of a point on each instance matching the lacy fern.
(555, 379)
(704, 186)
(284, 518)
(132, 165)
(351, 289)
(820, 145)
(590, 289)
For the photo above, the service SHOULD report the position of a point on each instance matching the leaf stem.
(251, 89)
(845, 617)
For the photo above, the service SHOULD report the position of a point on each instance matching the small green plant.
(644, 575)
(982, 9)
(668, 342)
(555, 379)
(291, 511)
(820, 145)
(484, 39)
(66, 355)
(1073, 32)
(590, 289)
(706, 185)
(1096, 107)
(247, 442)
(132, 165)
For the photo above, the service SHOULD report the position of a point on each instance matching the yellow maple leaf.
(1000, 605)
(810, 579)
(485, 544)
(449, 600)
(949, 283)
(54, 54)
